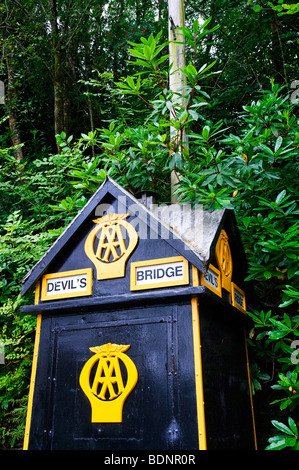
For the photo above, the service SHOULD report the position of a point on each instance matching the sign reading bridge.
(163, 272)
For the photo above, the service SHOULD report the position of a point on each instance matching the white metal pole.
(176, 16)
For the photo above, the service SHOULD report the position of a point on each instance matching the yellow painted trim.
(204, 283)
(157, 262)
(250, 390)
(87, 291)
(37, 293)
(202, 439)
(224, 260)
(195, 277)
(33, 371)
(242, 293)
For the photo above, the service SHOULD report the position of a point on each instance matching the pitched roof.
(195, 245)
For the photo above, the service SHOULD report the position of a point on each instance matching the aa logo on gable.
(109, 244)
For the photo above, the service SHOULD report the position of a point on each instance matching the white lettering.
(115, 460)
(176, 459)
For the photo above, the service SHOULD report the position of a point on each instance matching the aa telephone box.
(140, 339)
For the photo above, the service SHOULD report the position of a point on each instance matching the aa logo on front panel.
(107, 379)
(109, 244)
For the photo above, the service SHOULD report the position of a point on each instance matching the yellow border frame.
(33, 370)
(87, 291)
(201, 424)
(241, 292)
(204, 283)
(250, 390)
(115, 269)
(157, 262)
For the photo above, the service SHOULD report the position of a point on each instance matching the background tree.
(251, 45)
(57, 44)
(97, 73)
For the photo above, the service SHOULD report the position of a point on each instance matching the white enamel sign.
(159, 273)
(67, 284)
(211, 279)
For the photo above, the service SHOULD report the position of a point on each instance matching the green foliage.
(254, 171)
(285, 8)
(288, 438)
(37, 201)
(141, 157)
(224, 153)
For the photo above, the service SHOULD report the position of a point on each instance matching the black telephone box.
(140, 340)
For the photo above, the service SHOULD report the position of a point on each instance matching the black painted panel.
(160, 412)
(228, 414)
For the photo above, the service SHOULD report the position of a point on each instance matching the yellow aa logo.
(108, 381)
(109, 244)
(107, 390)
(224, 260)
